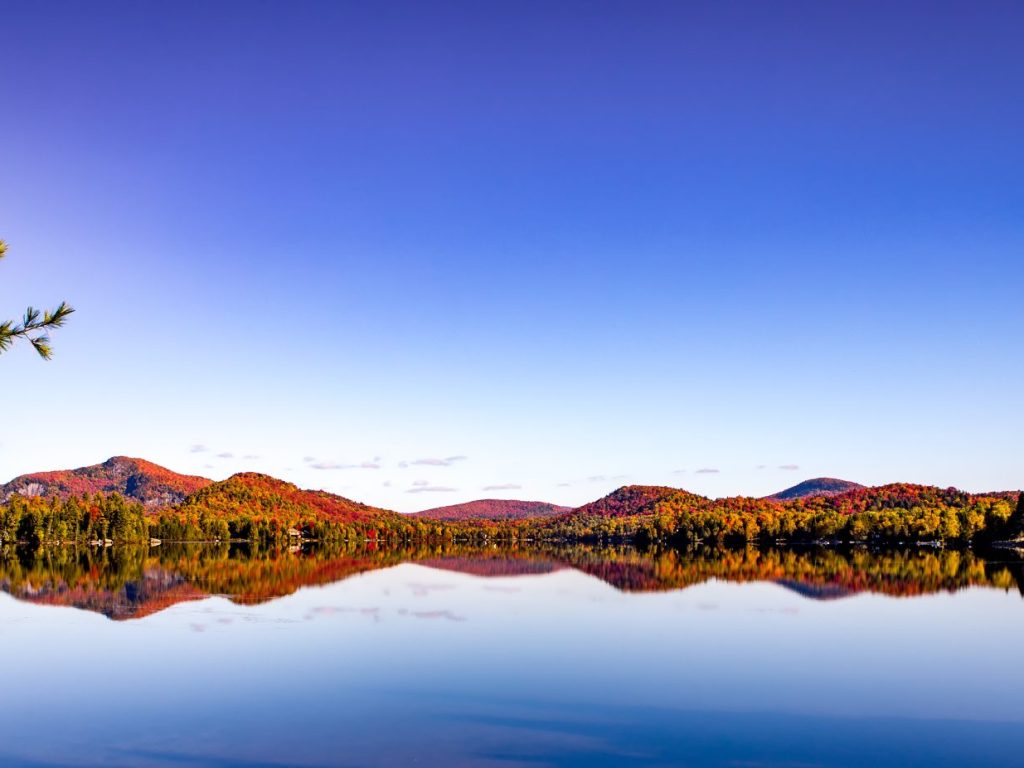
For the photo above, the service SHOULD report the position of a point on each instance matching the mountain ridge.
(252, 493)
(815, 486)
(492, 509)
(155, 486)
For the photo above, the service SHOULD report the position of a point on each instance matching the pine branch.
(34, 325)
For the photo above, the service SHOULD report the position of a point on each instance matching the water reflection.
(576, 656)
(133, 583)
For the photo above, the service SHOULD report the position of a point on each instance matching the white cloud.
(433, 462)
(432, 489)
(339, 465)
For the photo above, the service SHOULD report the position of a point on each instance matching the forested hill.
(632, 500)
(818, 486)
(895, 512)
(257, 495)
(155, 486)
(493, 509)
(130, 499)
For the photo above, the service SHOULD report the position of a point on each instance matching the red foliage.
(254, 494)
(153, 485)
(629, 500)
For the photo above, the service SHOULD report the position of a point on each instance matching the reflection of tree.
(131, 582)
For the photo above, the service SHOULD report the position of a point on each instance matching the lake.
(573, 656)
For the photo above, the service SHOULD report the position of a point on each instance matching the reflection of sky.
(411, 662)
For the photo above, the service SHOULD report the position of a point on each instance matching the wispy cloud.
(420, 482)
(564, 485)
(597, 478)
(226, 455)
(432, 489)
(308, 459)
(502, 487)
(198, 448)
(789, 467)
(678, 471)
(339, 465)
(432, 462)
(250, 457)
(707, 471)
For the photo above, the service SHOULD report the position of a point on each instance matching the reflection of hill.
(156, 590)
(249, 579)
(820, 572)
(121, 585)
(823, 573)
(124, 584)
(492, 565)
(816, 591)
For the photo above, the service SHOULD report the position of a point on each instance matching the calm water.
(576, 658)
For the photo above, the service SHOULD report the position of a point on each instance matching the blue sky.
(576, 244)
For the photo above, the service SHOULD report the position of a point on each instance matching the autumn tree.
(34, 326)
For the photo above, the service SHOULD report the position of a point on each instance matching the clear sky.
(392, 249)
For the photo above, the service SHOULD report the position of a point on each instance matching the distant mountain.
(153, 485)
(254, 494)
(818, 486)
(632, 500)
(493, 509)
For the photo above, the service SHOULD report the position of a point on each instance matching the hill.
(254, 494)
(493, 509)
(632, 500)
(818, 486)
(155, 486)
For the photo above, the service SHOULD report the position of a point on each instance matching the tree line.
(889, 515)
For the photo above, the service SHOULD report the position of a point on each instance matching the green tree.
(34, 326)
(1015, 525)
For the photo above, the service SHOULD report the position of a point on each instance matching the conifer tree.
(34, 326)
(1015, 525)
